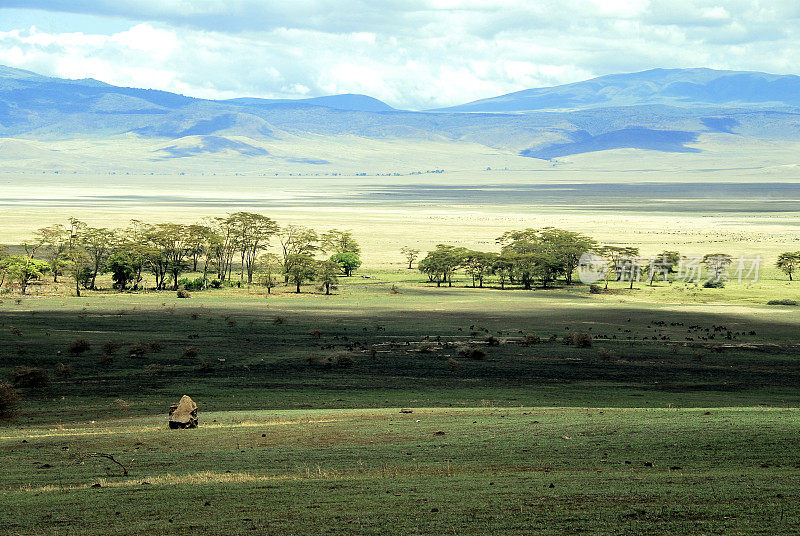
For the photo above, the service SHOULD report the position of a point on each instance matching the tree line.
(543, 256)
(235, 249)
(220, 249)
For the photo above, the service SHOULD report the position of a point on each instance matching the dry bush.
(9, 398)
(315, 332)
(425, 348)
(189, 352)
(595, 289)
(183, 293)
(65, 370)
(698, 356)
(581, 339)
(15, 331)
(79, 346)
(338, 360)
(29, 377)
(106, 359)
(606, 355)
(452, 364)
(491, 340)
(471, 352)
(278, 320)
(110, 347)
(394, 289)
(204, 365)
(138, 349)
(156, 346)
(529, 339)
(153, 369)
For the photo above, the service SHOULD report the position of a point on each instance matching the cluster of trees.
(526, 257)
(543, 256)
(219, 249)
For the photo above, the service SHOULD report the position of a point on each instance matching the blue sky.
(413, 54)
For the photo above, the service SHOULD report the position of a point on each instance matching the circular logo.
(591, 268)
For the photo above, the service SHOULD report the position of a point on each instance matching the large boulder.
(183, 414)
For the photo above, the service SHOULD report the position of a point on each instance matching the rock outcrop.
(183, 414)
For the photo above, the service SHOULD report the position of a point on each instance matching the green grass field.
(657, 428)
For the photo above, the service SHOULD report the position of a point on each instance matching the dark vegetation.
(604, 357)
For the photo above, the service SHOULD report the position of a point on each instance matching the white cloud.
(411, 53)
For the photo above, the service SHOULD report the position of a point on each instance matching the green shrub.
(192, 284)
(595, 289)
(183, 293)
(714, 283)
(781, 302)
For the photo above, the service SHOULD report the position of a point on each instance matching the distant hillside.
(671, 87)
(667, 111)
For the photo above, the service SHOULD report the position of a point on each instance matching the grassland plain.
(658, 428)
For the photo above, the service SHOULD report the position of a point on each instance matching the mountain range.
(662, 110)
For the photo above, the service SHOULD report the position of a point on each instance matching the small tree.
(346, 261)
(267, 267)
(23, 269)
(54, 242)
(410, 254)
(79, 268)
(788, 262)
(327, 275)
(336, 241)
(664, 264)
(125, 267)
(302, 268)
(717, 263)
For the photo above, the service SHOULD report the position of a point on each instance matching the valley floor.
(656, 428)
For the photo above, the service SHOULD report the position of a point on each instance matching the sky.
(412, 54)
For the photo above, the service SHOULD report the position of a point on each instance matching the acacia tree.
(302, 268)
(169, 252)
(54, 243)
(503, 268)
(617, 256)
(346, 261)
(410, 254)
(440, 263)
(327, 275)
(267, 267)
(718, 263)
(253, 232)
(224, 247)
(788, 262)
(297, 242)
(97, 243)
(336, 241)
(478, 264)
(79, 268)
(664, 263)
(23, 268)
(566, 248)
